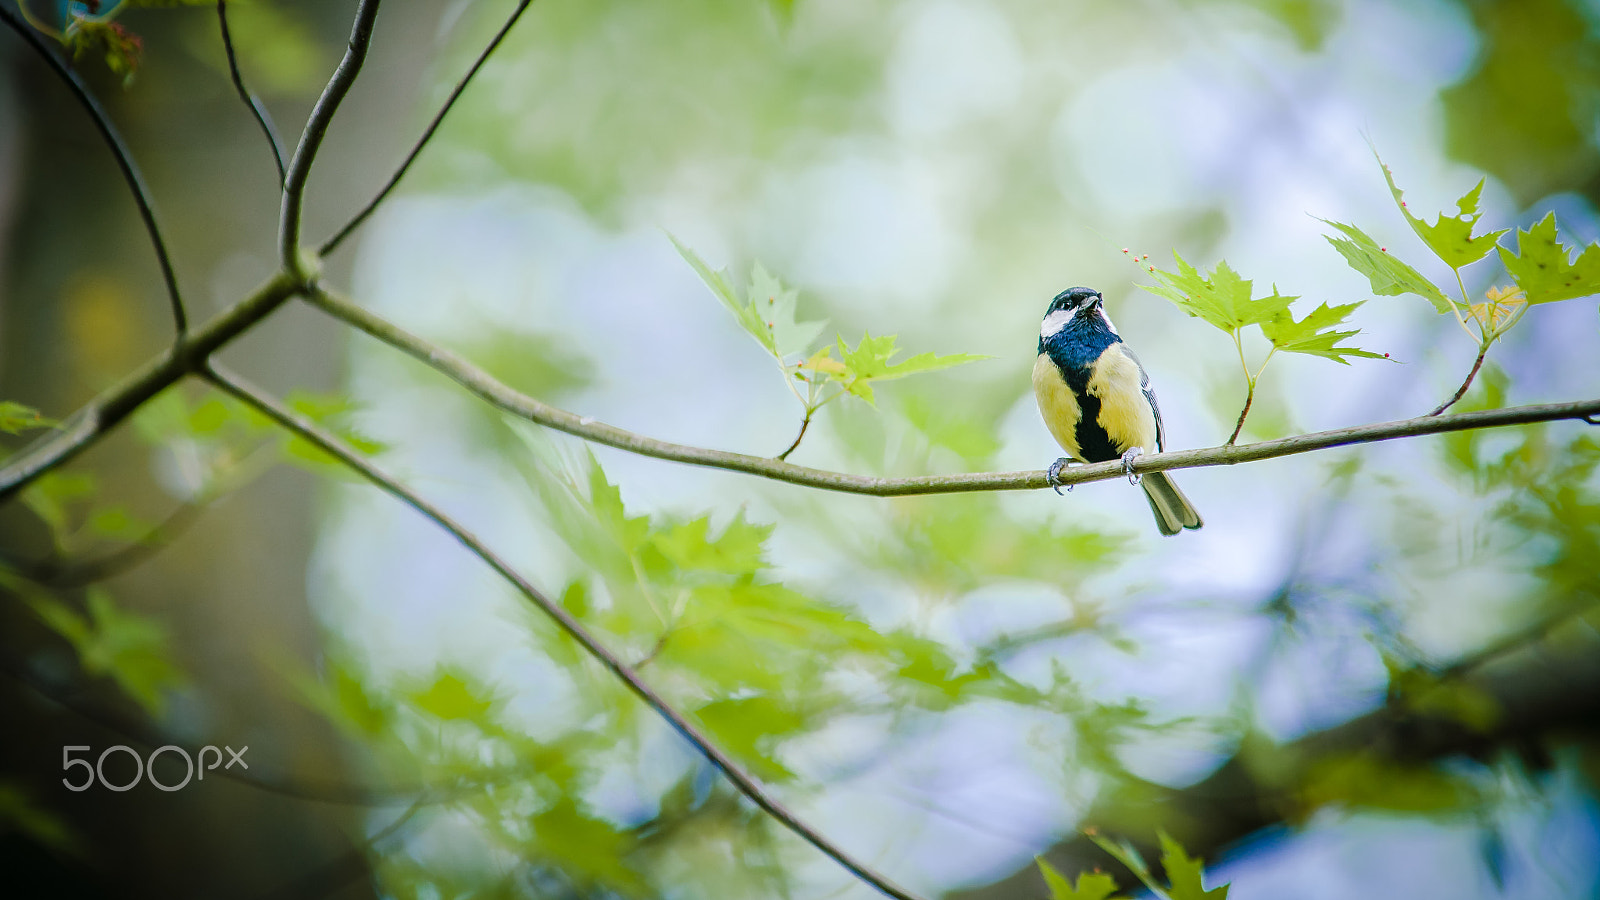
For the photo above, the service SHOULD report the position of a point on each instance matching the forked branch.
(332, 243)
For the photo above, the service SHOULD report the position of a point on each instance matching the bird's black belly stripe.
(1074, 359)
(1093, 442)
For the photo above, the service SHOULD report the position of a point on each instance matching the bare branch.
(499, 395)
(745, 783)
(124, 157)
(263, 118)
(332, 243)
(99, 415)
(294, 182)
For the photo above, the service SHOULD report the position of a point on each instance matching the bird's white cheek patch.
(1054, 323)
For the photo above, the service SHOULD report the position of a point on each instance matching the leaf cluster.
(767, 312)
(1541, 268)
(1184, 874)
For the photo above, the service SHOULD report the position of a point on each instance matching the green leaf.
(1222, 298)
(120, 48)
(586, 848)
(774, 305)
(450, 698)
(1183, 871)
(129, 648)
(52, 493)
(1450, 237)
(117, 523)
(16, 418)
(749, 727)
(605, 501)
(1389, 276)
(868, 362)
(331, 411)
(722, 287)
(1090, 886)
(1314, 335)
(1543, 267)
(737, 551)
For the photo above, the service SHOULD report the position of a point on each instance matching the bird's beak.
(1096, 302)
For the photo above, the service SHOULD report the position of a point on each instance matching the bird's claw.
(1127, 464)
(1052, 475)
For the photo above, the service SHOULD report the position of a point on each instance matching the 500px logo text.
(144, 767)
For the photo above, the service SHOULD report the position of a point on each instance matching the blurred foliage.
(612, 102)
(1525, 113)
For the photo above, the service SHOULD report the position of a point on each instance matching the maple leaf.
(1543, 267)
(1222, 298)
(1314, 335)
(1450, 237)
(1389, 276)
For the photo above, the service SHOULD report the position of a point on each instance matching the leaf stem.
(1477, 364)
(262, 117)
(804, 424)
(1249, 397)
(1250, 388)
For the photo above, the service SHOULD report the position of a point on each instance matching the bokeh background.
(936, 170)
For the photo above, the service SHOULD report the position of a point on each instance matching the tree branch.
(499, 395)
(99, 415)
(332, 243)
(263, 118)
(745, 783)
(124, 157)
(294, 182)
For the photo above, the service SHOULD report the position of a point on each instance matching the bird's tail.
(1173, 510)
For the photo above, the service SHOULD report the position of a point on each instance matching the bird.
(1096, 400)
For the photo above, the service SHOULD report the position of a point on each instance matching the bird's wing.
(1149, 394)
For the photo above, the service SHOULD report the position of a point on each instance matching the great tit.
(1096, 399)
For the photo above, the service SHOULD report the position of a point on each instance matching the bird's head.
(1080, 305)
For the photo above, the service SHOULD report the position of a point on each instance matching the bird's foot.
(1052, 475)
(1127, 464)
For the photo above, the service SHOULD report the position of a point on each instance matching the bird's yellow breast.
(1115, 380)
(1125, 411)
(1057, 404)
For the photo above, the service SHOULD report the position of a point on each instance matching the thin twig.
(745, 783)
(804, 424)
(294, 181)
(124, 157)
(1476, 365)
(1249, 398)
(263, 118)
(93, 420)
(481, 383)
(332, 243)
